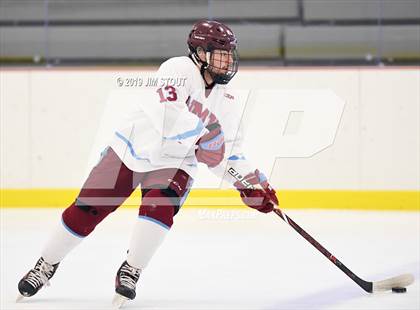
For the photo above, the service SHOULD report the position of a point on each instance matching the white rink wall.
(50, 118)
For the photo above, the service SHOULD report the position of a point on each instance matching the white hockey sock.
(148, 235)
(61, 242)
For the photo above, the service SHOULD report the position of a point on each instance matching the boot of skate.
(36, 278)
(126, 280)
(125, 284)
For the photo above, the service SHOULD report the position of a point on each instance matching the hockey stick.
(370, 287)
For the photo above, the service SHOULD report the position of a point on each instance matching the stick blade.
(398, 281)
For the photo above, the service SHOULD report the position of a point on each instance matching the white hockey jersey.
(164, 129)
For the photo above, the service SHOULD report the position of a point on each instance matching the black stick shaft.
(367, 286)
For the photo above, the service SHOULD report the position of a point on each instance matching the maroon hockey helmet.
(212, 35)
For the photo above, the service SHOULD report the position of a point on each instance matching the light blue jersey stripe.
(190, 133)
(130, 146)
(150, 219)
(262, 177)
(235, 157)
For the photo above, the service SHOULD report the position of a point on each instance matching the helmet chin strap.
(194, 58)
(203, 66)
(208, 57)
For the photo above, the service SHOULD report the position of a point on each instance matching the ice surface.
(222, 259)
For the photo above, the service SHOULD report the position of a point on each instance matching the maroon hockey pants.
(110, 183)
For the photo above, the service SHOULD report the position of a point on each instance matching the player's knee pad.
(173, 183)
(82, 219)
(156, 204)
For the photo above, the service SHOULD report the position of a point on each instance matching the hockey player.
(158, 151)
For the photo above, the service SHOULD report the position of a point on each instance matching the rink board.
(229, 199)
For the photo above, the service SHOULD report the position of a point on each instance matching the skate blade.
(19, 298)
(118, 301)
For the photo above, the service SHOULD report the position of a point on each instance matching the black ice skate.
(36, 278)
(125, 284)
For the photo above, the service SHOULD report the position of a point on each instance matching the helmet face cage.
(222, 65)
